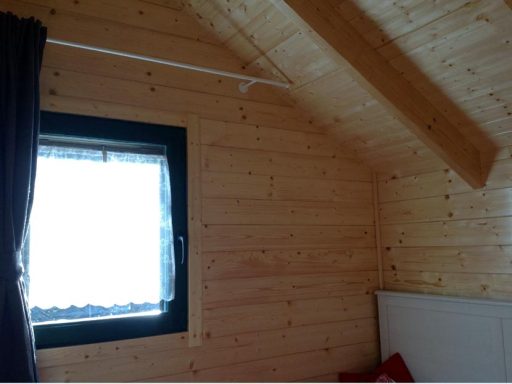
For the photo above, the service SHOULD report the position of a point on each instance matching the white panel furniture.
(447, 339)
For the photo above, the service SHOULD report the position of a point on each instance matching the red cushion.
(394, 367)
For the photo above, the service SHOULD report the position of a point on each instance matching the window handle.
(182, 242)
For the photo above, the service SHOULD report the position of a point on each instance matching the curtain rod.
(243, 87)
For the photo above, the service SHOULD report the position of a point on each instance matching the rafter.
(340, 40)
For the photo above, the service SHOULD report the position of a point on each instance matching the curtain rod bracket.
(244, 87)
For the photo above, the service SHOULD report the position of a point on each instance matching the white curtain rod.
(243, 87)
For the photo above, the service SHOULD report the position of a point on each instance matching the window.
(105, 257)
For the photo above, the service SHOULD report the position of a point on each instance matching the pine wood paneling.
(440, 183)
(329, 378)
(95, 30)
(224, 321)
(172, 356)
(256, 290)
(195, 207)
(279, 341)
(387, 85)
(224, 134)
(172, 4)
(470, 205)
(491, 259)
(89, 107)
(107, 89)
(283, 244)
(299, 50)
(104, 351)
(442, 238)
(454, 53)
(264, 187)
(231, 211)
(359, 357)
(225, 265)
(495, 231)
(234, 160)
(57, 58)
(258, 237)
(494, 286)
(141, 14)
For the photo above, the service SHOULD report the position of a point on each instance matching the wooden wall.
(286, 228)
(441, 237)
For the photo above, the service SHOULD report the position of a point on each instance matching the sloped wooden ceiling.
(457, 53)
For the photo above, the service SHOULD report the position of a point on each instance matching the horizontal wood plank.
(59, 58)
(231, 135)
(89, 107)
(225, 265)
(474, 232)
(65, 356)
(238, 211)
(172, 4)
(218, 352)
(282, 188)
(485, 285)
(234, 160)
(470, 205)
(258, 290)
(96, 31)
(328, 378)
(106, 89)
(262, 237)
(473, 259)
(247, 318)
(360, 357)
(140, 14)
(440, 183)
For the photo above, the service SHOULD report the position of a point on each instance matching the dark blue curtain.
(21, 49)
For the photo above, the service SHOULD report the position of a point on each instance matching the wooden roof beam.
(331, 32)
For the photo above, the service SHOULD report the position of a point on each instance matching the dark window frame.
(175, 316)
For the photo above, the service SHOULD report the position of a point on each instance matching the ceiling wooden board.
(472, 15)
(291, 59)
(157, 28)
(472, 70)
(157, 15)
(173, 4)
(267, 30)
(226, 18)
(455, 52)
(384, 21)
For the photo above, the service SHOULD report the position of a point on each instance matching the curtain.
(21, 48)
(100, 191)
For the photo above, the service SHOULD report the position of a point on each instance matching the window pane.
(100, 234)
